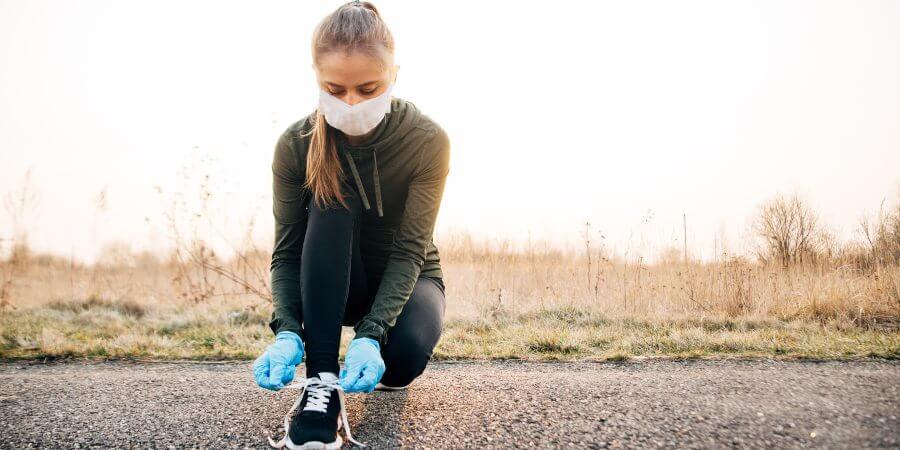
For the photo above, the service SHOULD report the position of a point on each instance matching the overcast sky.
(624, 114)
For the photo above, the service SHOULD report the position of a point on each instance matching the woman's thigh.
(360, 292)
(412, 339)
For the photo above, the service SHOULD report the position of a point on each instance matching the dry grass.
(732, 289)
(817, 297)
(535, 303)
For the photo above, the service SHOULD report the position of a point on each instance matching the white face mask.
(358, 119)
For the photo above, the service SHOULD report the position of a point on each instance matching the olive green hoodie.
(400, 175)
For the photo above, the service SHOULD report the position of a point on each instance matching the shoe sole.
(381, 387)
(315, 445)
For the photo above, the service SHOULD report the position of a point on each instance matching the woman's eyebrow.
(339, 86)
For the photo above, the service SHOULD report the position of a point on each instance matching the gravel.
(485, 404)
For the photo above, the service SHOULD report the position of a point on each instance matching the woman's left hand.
(363, 366)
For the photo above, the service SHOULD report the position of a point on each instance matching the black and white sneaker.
(321, 404)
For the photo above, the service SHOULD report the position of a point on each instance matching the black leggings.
(335, 291)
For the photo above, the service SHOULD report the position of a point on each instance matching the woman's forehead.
(351, 69)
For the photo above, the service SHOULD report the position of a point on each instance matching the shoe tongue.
(327, 376)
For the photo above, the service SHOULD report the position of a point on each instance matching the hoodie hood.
(396, 124)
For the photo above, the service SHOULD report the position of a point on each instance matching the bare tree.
(788, 229)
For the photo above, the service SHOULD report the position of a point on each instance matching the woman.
(357, 187)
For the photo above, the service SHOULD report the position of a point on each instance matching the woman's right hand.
(276, 366)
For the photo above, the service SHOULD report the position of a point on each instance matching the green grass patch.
(100, 328)
(123, 307)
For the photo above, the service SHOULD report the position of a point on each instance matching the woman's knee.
(327, 228)
(411, 342)
(336, 210)
(406, 358)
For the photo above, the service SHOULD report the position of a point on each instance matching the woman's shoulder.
(422, 121)
(299, 132)
(292, 146)
(295, 138)
(433, 132)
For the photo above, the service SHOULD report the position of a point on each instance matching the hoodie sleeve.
(410, 240)
(289, 199)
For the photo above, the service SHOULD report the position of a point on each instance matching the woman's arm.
(410, 241)
(289, 200)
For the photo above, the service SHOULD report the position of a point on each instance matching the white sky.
(572, 112)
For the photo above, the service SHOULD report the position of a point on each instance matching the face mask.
(358, 119)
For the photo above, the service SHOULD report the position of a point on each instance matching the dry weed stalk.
(199, 273)
(21, 205)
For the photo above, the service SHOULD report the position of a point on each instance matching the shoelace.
(319, 393)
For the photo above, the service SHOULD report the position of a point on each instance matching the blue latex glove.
(363, 366)
(276, 366)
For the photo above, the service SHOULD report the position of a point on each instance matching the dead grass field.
(533, 304)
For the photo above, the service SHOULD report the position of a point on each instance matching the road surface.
(634, 404)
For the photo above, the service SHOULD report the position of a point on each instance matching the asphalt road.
(693, 404)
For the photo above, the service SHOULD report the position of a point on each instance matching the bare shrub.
(737, 287)
(116, 254)
(882, 236)
(788, 228)
(670, 255)
(198, 273)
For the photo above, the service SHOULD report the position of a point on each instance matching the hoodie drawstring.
(377, 182)
(359, 185)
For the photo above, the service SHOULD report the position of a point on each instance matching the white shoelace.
(319, 393)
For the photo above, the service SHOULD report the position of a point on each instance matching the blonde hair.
(354, 26)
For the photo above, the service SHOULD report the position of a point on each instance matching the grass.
(106, 329)
(545, 336)
(536, 304)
